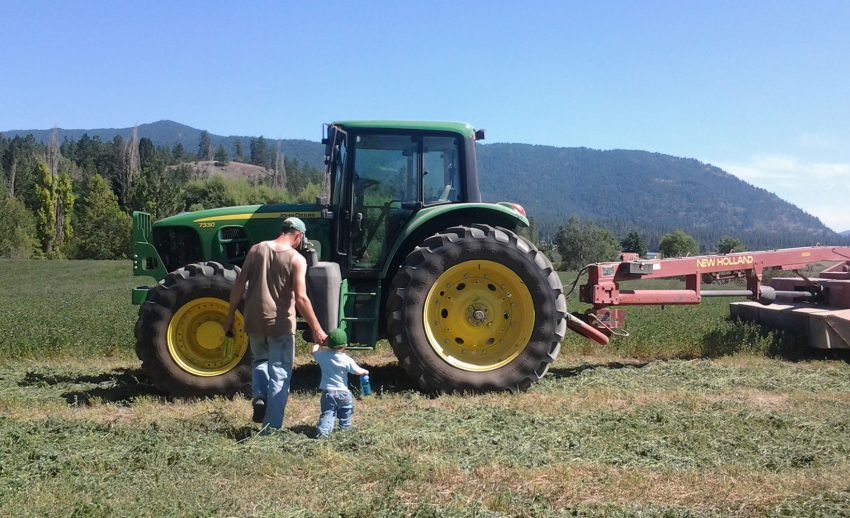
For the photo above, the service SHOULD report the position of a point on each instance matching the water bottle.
(365, 385)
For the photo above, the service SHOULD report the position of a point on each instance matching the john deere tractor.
(400, 246)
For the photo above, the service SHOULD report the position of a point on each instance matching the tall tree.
(205, 147)
(19, 163)
(17, 228)
(62, 190)
(11, 161)
(130, 168)
(239, 152)
(103, 229)
(729, 245)
(221, 154)
(53, 153)
(65, 199)
(178, 152)
(678, 244)
(260, 152)
(53, 157)
(582, 242)
(45, 216)
(279, 177)
(147, 152)
(634, 243)
(160, 190)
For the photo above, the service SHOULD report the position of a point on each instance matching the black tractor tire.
(179, 288)
(424, 266)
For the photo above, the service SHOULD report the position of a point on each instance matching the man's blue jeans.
(272, 373)
(339, 404)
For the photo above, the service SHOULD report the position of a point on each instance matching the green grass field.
(691, 415)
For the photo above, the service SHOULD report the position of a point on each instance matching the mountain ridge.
(625, 190)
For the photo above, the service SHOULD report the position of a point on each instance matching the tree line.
(74, 199)
(581, 242)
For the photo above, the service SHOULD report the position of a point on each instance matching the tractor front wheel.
(475, 309)
(180, 334)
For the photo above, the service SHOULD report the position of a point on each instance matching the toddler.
(337, 400)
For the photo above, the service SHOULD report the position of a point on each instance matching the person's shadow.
(124, 385)
(385, 379)
(569, 372)
(121, 386)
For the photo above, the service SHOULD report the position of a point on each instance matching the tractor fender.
(431, 220)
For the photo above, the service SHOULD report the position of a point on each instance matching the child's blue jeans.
(335, 404)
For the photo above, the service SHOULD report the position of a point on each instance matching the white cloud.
(820, 188)
(820, 142)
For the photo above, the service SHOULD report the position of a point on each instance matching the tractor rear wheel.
(180, 334)
(475, 309)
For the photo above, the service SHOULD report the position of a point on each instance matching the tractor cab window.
(441, 181)
(385, 183)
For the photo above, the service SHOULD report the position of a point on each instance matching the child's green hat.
(337, 339)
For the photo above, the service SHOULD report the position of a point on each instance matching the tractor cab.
(382, 173)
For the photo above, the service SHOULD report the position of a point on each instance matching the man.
(275, 275)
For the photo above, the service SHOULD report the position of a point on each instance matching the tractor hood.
(241, 213)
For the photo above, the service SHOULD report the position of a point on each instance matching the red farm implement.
(818, 307)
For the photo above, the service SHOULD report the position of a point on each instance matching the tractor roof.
(464, 129)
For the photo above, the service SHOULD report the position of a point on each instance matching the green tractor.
(400, 247)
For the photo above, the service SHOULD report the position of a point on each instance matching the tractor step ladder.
(348, 318)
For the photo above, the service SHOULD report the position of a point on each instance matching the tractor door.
(385, 194)
(394, 175)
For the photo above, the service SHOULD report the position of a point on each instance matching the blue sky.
(761, 89)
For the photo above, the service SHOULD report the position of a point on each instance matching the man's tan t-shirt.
(269, 308)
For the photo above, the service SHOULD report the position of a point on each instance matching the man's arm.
(238, 289)
(302, 302)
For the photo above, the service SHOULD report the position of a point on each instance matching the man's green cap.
(294, 224)
(337, 339)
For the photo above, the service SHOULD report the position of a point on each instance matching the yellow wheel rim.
(196, 339)
(479, 316)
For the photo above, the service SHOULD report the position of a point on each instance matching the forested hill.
(650, 193)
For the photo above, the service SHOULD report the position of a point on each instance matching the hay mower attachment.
(818, 307)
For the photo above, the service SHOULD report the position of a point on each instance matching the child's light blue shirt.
(335, 369)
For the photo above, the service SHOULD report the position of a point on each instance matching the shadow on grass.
(247, 432)
(241, 433)
(389, 378)
(121, 386)
(752, 337)
(568, 372)
(305, 430)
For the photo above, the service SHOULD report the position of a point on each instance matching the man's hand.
(228, 324)
(319, 336)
